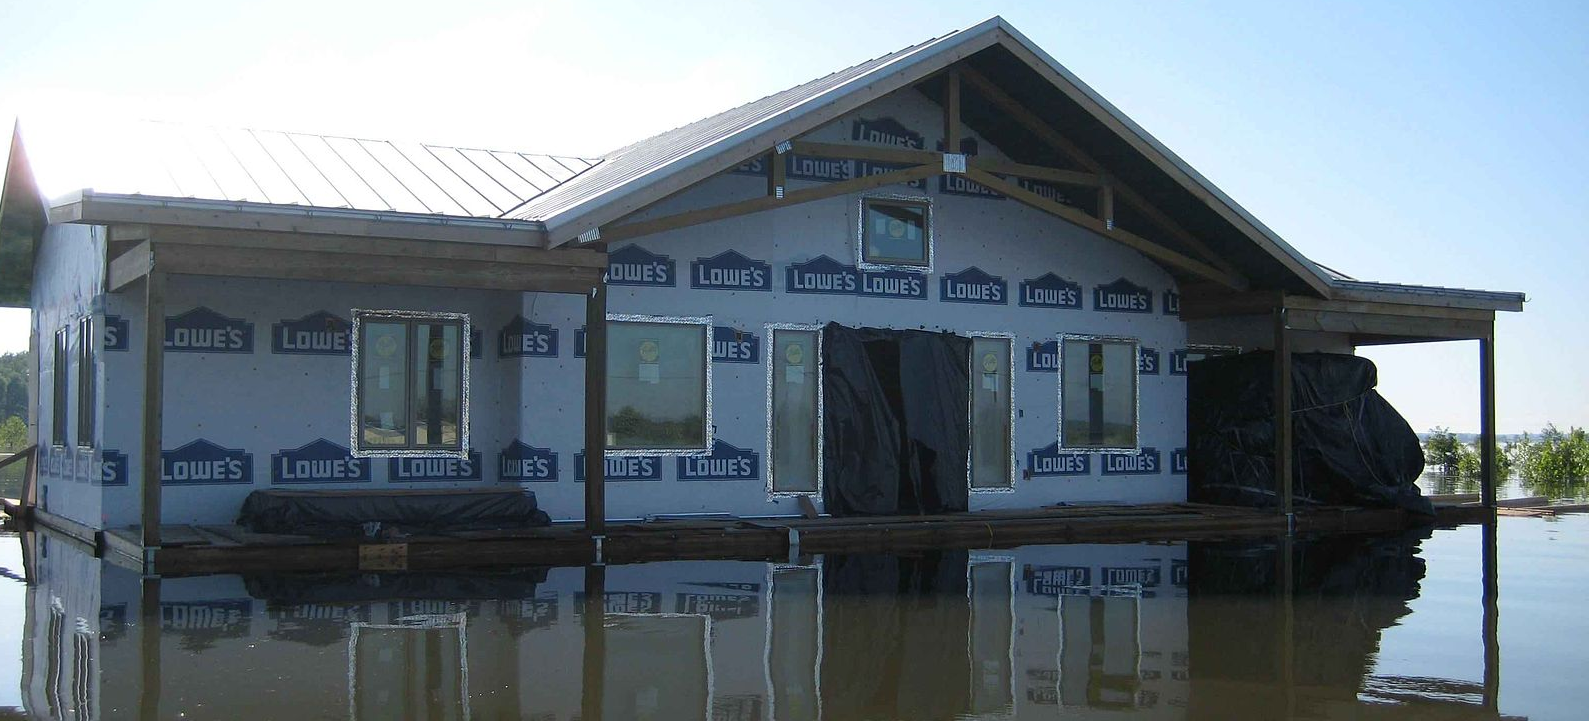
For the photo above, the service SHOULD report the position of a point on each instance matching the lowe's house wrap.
(838, 298)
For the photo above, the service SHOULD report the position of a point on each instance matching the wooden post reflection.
(593, 650)
(1286, 628)
(1490, 615)
(149, 648)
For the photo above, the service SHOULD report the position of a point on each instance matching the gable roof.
(244, 165)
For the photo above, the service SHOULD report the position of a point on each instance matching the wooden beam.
(776, 163)
(952, 107)
(1106, 212)
(231, 261)
(1489, 441)
(1020, 113)
(596, 423)
(754, 205)
(908, 156)
(1078, 217)
(439, 249)
(1373, 324)
(131, 265)
(1282, 411)
(154, 407)
(1212, 303)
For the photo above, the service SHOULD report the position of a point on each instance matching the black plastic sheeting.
(342, 513)
(895, 421)
(1351, 447)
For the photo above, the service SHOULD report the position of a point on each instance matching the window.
(990, 439)
(894, 232)
(1100, 393)
(794, 411)
(410, 383)
(58, 390)
(657, 396)
(85, 381)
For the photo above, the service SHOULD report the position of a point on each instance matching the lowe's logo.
(894, 284)
(1150, 362)
(719, 606)
(623, 468)
(203, 330)
(869, 168)
(439, 468)
(319, 461)
(731, 271)
(116, 332)
(319, 333)
(1046, 190)
(1179, 460)
(1041, 357)
(204, 463)
(206, 615)
(1170, 302)
(112, 469)
(822, 275)
(634, 265)
(1122, 296)
(1050, 291)
(1145, 462)
(520, 463)
(1130, 575)
(973, 286)
(725, 463)
(1049, 461)
(732, 345)
(886, 131)
(958, 184)
(1056, 580)
(522, 338)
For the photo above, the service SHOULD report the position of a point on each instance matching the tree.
(1444, 451)
(13, 434)
(1556, 463)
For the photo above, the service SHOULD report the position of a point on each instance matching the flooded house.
(949, 278)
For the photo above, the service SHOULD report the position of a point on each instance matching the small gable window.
(895, 232)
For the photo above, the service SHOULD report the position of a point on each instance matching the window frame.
(817, 329)
(1012, 410)
(707, 323)
(86, 390)
(927, 266)
(59, 395)
(358, 318)
(1061, 390)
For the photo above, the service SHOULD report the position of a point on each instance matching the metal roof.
(246, 165)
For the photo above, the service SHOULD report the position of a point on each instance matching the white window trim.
(817, 565)
(707, 321)
(863, 263)
(357, 318)
(976, 558)
(1012, 411)
(1061, 408)
(768, 408)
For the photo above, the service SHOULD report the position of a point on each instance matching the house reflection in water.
(1157, 630)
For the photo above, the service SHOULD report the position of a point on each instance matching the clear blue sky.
(1425, 142)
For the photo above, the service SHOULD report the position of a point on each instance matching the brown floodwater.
(1333, 627)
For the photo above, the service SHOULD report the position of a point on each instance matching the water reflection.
(1199, 630)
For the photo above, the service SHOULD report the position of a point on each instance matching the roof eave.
(1368, 291)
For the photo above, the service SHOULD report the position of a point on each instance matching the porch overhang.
(1367, 313)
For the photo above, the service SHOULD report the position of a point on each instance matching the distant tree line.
(14, 370)
(1550, 463)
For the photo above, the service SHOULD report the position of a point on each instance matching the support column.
(149, 648)
(596, 399)
(154, 373)
(1282, 413)
(1490, 615)
(596, 642)
(1489, 443)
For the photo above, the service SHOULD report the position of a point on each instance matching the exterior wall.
(263, 403)
(68, 280)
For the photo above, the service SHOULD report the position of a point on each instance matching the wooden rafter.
(1080, 218)
(761, 203)
(952, 108)
(1048, 135)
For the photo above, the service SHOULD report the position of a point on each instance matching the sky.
(1440, 143)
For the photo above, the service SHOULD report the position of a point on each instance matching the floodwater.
(1335, 627)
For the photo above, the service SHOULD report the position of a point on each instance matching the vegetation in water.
(13, 400)
(1551, 463)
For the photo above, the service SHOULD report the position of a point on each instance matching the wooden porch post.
(595, 643)
(1490, 614)
(154, 372)
(149, 647)
(1282, 413)
(596, 398)
(1489, 442)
